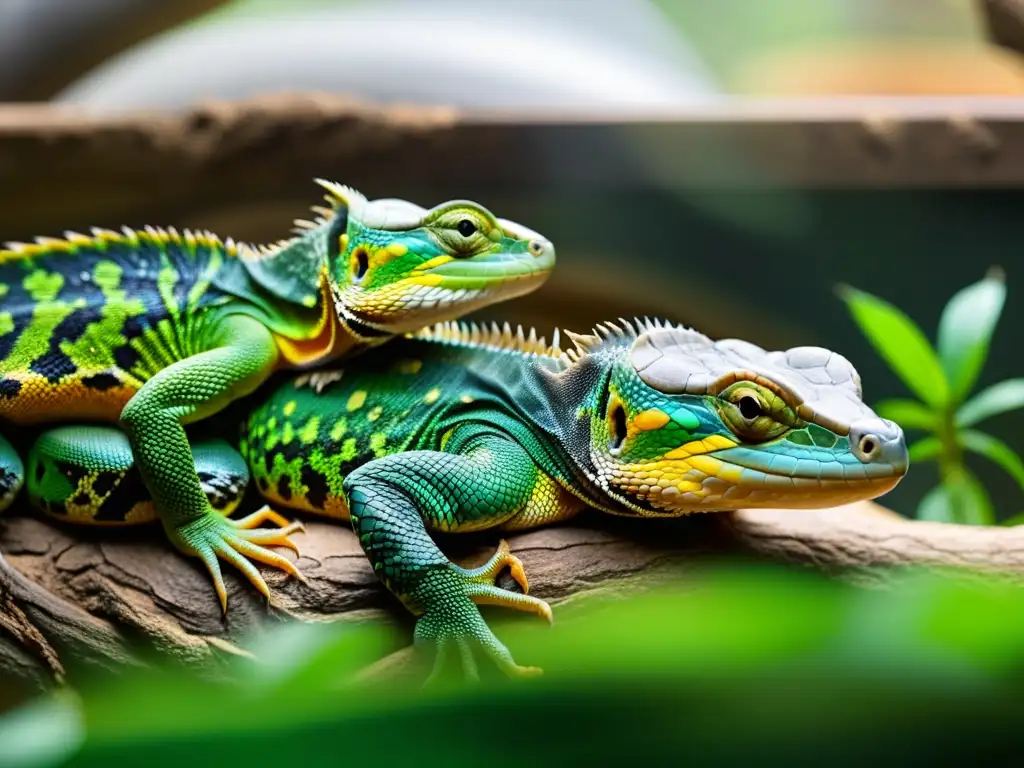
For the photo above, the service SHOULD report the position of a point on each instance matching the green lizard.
(158, 329)
(463, 429)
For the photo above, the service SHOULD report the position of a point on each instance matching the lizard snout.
(880, 442)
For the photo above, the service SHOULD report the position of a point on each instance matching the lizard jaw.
(443, 292)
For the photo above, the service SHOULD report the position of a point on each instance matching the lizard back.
(86, 320)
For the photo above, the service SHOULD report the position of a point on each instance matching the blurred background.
(647, 221)
(723, 163)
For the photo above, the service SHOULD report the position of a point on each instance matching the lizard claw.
(502, 559)
(482, 590)
(214, 538)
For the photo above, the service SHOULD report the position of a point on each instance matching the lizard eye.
(750, 407)
(466, 228)
(753, 413)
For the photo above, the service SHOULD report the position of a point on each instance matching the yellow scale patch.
(548, 503)
(85, 513)
(408, 366)
(670, 470)
(356, 400)
(310, 430)
(38, 398)
(378, 444)
(339, 429)
(645, 421)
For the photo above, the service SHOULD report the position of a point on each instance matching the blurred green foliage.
(943, 377)
(739, 664)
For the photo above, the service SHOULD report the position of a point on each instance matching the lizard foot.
(451, 620)
(212, 538)
(456, 625)
(482, 590)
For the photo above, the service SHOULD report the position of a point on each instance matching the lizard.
(460, 428)
(155, 329)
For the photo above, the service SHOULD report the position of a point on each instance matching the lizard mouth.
(530, 259)
(444, 290)
(738, 478)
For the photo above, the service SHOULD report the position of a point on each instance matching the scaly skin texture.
(463, 429)
(158, 329)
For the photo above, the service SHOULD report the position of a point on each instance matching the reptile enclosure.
(738, 219)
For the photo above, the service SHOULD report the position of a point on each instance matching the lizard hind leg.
(12, 473)
(87, 474)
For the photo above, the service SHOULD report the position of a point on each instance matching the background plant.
(942, 377)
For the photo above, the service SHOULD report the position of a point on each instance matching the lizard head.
(679, 423)
(394, 267)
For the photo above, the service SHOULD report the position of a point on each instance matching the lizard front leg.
(483, 481)
(241, 357)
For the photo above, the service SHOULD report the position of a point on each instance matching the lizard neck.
(286, 286)
(542, 405)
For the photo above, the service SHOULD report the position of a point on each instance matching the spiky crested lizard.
(463, 429)
(158, 329)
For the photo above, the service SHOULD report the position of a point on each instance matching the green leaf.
(1017, 519)
(909, 414)
(960, 498)
(936, 506)
(971, 503)
(42, 733)
(965, 330)
(925, 449)
(995, 450)
(999, 398)
(901, 343)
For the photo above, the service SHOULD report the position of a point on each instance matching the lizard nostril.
(536, 247)
(868, 445)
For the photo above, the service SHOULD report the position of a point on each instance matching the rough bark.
(75, 598)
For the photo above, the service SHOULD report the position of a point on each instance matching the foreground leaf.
(995, 450)
(901, 343)
(965, 330)
(802, 666)
(43, 733)
(999, 398)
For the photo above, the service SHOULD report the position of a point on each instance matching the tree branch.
(74, 596)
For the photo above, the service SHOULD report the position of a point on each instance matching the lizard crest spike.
(342, 196)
